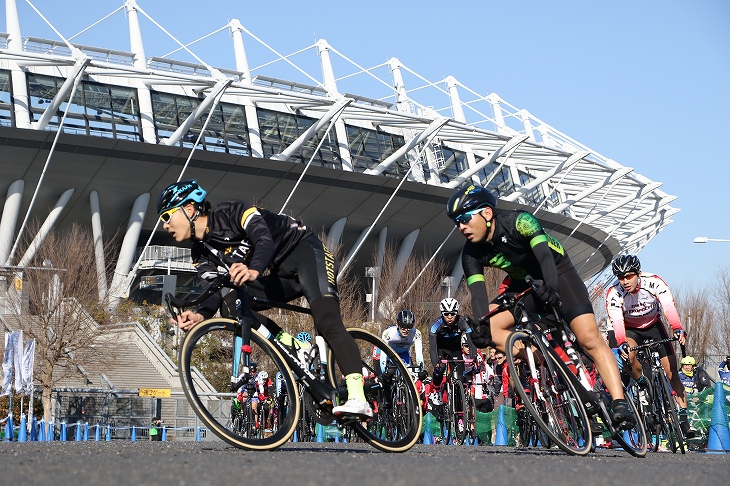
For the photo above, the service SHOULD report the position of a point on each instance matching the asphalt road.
(302, 464)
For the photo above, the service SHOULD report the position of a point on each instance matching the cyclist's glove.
(624, 349)
(548, 294)
(679, 332)
(480, 328)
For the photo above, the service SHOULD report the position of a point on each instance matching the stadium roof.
(440, 134)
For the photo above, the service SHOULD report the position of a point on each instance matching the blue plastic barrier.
(108, 435)
(86, 432)
(62, 438)
(134, 433)
(51, 435)
(164, 434)
(97, 432)
(42, 431)
(78, 431)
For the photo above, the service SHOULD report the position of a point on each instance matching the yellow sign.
(154, 392)
(18, 284)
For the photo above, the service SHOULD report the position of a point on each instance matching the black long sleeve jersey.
(243, 233)
(520, 246)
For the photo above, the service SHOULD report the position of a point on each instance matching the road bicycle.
(558, 394)
(455, 419)
(660, 415)
(213, 363)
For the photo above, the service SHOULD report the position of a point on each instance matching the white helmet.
(449, 304)
(263, 375)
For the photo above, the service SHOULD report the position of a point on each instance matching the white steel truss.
(549, 169)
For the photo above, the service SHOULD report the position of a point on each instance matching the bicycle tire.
(458, 411)
(379, 433)
(553, 402)
(633, 440)
(647, 415)
(676, 436)
(205, 361)
(470, 417)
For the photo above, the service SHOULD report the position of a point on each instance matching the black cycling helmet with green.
(467, 201)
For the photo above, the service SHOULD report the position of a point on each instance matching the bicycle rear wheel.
(206, 366)
(395, 427)
(470, 417)
(552, 400)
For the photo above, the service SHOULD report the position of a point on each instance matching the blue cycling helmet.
(304, 337)
(179, 193)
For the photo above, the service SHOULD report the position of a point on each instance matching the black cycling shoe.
(596, 426)
(622, 416)
(687, 431)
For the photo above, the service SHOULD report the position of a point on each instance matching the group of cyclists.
(289, 261)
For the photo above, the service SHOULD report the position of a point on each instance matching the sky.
(643, 83)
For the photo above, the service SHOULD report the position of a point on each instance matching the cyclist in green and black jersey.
(516, 242)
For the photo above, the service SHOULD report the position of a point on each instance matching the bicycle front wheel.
(458, 417)
(675, 437)
(551, 398)
(633, 440)
(396, 426)
(206, 367)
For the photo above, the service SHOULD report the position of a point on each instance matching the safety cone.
(62, 438)
(502, 438)
(320, 433)
(42, 431)
(9, 432)
(51, 431)
(97, 433)
(33, 430)
(23, 429)
(294, 437)
(86, 431)
(134, 433)
(78, 432)
(718, 439)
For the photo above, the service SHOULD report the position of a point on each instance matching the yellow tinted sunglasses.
(166, 215)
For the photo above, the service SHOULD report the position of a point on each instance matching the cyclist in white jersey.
(403, 336)
(635, 305)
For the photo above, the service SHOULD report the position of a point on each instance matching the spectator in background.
(694, 378)
(723, 371)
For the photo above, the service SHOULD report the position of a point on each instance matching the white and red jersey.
(642, 307)
(480, 377)
(262, 386)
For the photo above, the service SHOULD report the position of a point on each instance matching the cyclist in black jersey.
(516, 242)
(445, 336)
(251, 241)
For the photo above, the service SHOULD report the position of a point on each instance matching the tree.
(57, 305)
